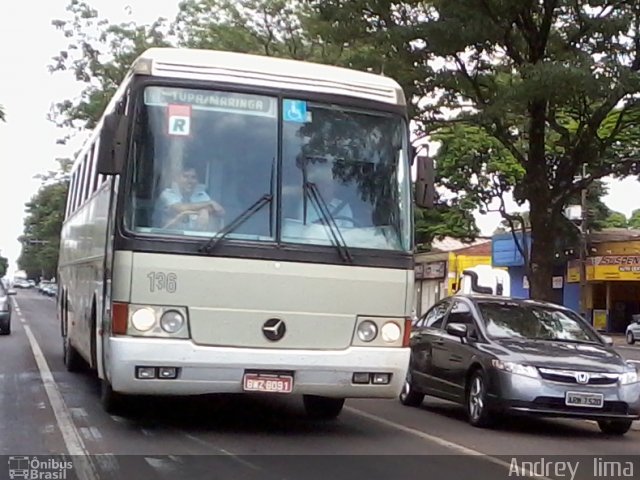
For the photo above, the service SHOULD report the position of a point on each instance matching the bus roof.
(264, 71)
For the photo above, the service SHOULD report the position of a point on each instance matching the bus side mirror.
(425, 183)
(112, 147)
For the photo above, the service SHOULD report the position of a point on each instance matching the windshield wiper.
(239, 220)
(329, 221)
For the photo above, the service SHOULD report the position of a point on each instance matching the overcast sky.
(27, 91)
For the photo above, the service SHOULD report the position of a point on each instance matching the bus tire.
(112, 402)
(72, 359)
(322, 408)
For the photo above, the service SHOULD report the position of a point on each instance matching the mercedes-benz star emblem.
(582, 378)
(274, 329)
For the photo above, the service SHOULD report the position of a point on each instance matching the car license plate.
(264, 382)
(581, 399)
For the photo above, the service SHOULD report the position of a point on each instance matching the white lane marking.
(165, 466)
(222, 450)
(78, 412)
(108, 463)
(440, 441)
(72, 439)
(91, 433)
(622, 347)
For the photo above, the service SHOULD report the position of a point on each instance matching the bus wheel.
(72, 359)
(111, 401)
(322, 408)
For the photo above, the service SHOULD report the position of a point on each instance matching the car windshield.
(534, 322)
(202, 157)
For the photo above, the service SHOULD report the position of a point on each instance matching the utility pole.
(583, 248)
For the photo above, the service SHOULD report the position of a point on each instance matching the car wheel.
(409, 396)
(630, 339)
(72, 359)
(614, 427)
(112, 402)
(5, 329)
(476, 400)
(322, 408)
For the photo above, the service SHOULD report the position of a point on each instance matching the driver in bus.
(321, 175)
(186, 204)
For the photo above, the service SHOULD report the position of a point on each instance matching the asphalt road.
(251, 437)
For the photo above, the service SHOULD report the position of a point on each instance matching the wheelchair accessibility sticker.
(295, 111)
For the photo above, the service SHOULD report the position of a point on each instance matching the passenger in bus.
(187, 205)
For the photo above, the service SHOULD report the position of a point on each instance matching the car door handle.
(439, 341)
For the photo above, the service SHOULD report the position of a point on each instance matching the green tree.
(553, 82)
(4, 265)
(99, 54)
(443, 221)
(634, 220)
(616, 220)
(43, 223)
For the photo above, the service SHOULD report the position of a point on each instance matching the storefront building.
(438, 273)
(613, 279)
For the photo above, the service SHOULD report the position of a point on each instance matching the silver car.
(499, 355)
(5, 309)
(633, 330)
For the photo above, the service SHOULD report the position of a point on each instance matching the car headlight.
(143, 319)
(367, 331)
(171, 321)
(630, 376)
(390, 332)
(516, 368)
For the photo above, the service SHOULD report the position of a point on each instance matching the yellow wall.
(617, 248)
(458, 263)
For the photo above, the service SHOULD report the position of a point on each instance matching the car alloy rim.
(476, 401)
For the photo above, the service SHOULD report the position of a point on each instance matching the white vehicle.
(485, 279)
(240, 223)
(633, 330)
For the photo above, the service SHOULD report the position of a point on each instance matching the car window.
(504, 319)
(461, 313)
(435, 316)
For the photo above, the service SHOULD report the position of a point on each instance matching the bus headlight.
(367, 331)
(390, 332)
(143, 319)
(171, 321)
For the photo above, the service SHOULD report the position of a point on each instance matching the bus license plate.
(579, 399)
(255, 382)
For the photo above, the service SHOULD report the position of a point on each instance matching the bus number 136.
(159, 281)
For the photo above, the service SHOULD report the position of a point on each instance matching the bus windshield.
(202, 157)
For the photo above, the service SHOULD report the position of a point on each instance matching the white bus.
(240, 223)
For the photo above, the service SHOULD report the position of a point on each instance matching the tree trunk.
(543, 226)
(542, 251)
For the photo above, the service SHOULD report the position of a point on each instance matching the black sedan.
(498, 355)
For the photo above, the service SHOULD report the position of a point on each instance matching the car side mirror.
(607, 340)
(425, 183)
(11, 292)
(457, 330)
(112, 146)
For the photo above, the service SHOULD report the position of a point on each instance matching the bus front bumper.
(205, 369)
